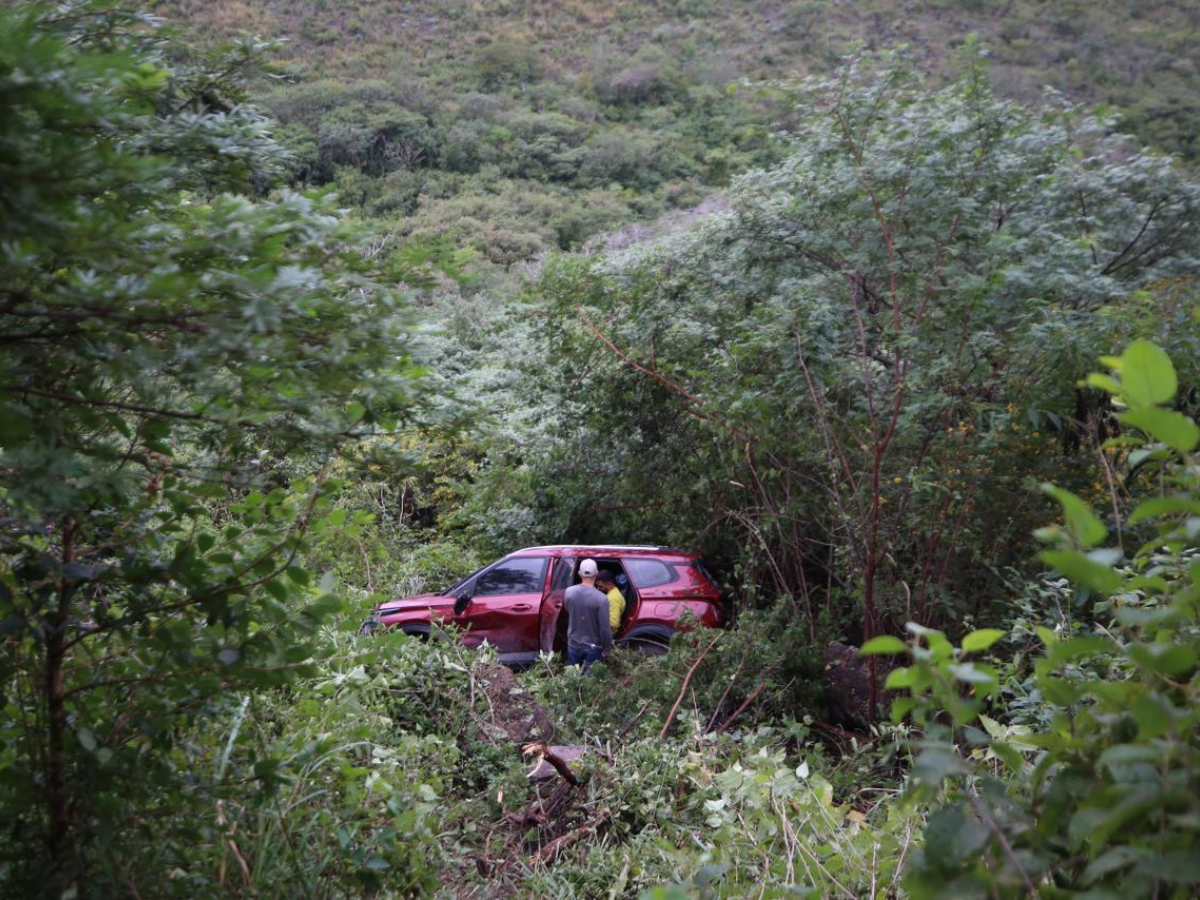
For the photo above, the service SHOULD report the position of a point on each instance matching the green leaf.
(298, 575)
(883, 644)
(1120, 755)
(936, 763)
(1174, 429)
(1153, 716)
(1084, 527)
(939, 645)
(953, 837)
(1083, 571)
(1112, 860)
(1178, 867)
(1164, 659)
(1060, 691)
(1048, 637)
(980, 640)
(899, 678)
(1009, 755)
(86, 738)
(1147, 376)
(969, 673)
(1164, 506)
(902, 707)
(1078, 648)
(1104, 383)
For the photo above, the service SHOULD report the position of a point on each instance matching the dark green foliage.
(1095, 787)
(180, 362)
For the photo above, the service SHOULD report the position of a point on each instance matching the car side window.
(522, 575)
(564, 570)
(647, 573)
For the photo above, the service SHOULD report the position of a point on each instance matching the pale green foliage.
(922, 275)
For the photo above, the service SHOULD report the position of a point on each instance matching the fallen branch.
(741, 709)
(628, 725)
(732, 678)
(557, 845)
(543, 752)
(683, 687)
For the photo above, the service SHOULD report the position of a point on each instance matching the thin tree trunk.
(59, 839)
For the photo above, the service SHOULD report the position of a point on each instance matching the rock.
(847, 681)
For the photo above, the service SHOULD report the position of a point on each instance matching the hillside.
(521, 127)
(1138, 57)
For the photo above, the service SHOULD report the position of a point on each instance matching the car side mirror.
(461, 604)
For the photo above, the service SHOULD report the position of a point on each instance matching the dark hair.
(606, 576)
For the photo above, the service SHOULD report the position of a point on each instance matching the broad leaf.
(884, 644)
(1147, 376)
(1084, 527)
(1174, 429)
(1084, 571)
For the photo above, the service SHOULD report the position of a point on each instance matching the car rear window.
(704, 573)
(648, 573)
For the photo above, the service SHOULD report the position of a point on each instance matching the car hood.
(421, 601)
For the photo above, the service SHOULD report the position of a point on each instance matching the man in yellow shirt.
(607, 582)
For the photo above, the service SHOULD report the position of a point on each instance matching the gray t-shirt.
(587, 617)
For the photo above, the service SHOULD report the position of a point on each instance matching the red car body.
(515, 604)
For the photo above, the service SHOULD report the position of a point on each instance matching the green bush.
(1098, 792)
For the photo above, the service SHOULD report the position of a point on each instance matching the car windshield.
(460, 585)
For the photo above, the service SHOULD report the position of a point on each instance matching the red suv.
(515, 603)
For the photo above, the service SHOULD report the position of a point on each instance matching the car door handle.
(522, 607)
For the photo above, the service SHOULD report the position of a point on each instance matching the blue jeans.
(583, 656)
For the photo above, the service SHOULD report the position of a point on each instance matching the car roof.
(608, 550)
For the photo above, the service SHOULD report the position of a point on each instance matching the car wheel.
(648, 643)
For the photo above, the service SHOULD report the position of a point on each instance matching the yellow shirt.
(616, 606)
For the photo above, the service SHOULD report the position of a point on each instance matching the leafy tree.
(180, 362)
(848, 363)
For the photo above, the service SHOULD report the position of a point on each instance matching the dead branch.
(542, 751)
(683, 687)
(556, 846)
(745, 703)
(693, 404)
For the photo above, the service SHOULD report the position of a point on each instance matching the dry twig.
(683, 687)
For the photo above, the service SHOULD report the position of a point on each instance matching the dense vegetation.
(861, 337)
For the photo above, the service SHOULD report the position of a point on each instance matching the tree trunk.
(58, 802)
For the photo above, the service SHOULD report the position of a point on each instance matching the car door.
(553, 631)
(505, 603)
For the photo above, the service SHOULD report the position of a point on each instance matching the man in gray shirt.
(588, 632)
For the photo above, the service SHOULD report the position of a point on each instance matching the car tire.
(653, 644)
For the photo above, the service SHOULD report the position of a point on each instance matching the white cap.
(587, 568)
